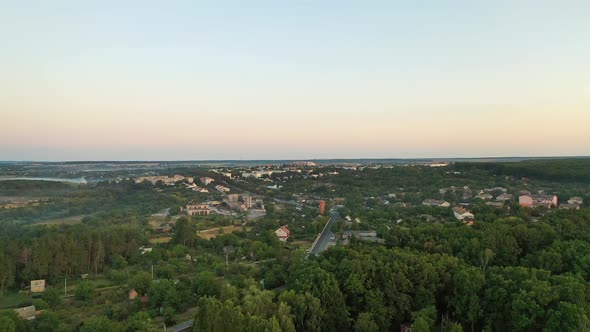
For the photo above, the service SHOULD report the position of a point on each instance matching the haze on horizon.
(196, 80)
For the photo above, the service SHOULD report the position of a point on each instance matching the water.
(81, 180)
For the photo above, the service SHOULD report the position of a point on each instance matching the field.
(62, 221)
(159, 240)
(213, 232)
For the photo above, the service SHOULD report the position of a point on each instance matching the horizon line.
(278, 160)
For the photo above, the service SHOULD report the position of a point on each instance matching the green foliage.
(85, 291)
(101, 324)
(52, 297)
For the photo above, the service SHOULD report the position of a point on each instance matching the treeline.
(67, 252)
(555, 170)
(105, 198)
(33, 188)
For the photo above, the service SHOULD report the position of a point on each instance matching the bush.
(85, 291)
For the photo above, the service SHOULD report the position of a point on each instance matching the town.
(166, 242)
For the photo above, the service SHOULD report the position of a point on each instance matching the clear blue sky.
(293, 79)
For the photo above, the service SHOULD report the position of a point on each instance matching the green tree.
(365, 323)
(46, 322)
(101, 324)
(141, 282)
(52, 296)
(469, 283)
(424, 319)
(84, 291)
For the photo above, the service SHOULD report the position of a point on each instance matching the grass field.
(62, 221)
(162, 239)
(213, 232)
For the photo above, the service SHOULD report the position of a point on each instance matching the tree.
(468, 283)
(7, 325)
(101, 324)
(365, 323)
(140, 322)
(84, 291)
(306, 309)
(424, 319)
(52, 296)
(285, 318)
(185, 232)
(46, 322)
(141, 282)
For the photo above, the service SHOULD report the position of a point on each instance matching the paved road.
(324, 238)
(182, 327)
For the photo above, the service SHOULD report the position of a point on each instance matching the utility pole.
(65, 285)
(152, 271)
(226, 260)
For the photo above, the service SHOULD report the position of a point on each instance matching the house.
(569, 207)
(495, 204)
(547, 201)
(339, 200)
(206, 180)
(145, 250)
(485, 196)
(133, 294)
(462, 214)
(222, 189)
(436, 202)
(283, 233)
(28, 313)
(504, 197)
(197, 210)
(576, 200)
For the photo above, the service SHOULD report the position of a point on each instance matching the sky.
(197, 80)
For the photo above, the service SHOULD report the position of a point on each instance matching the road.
(182, 327)
(323, 240)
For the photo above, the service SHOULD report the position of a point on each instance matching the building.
(484, 196)
(197, 210)
(462, 214)
(165, 179)
(38, 286)
(322, 207)
(283, 233)
(339, 200)
(576, 200)
(504, 197)
(569, 207)
(247, 201)
(206, 180)
(547, 201)
(436, 202)
(233, 198)
(222, 189)
(303, 164)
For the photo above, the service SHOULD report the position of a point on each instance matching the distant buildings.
(504, 197)
(303, 164)
(222, 189)
(547, 201)
(436, 202)
(206, 180)
(283, 233)
(165, 179)
(462, 214)
(197, 210)
(576, 200)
